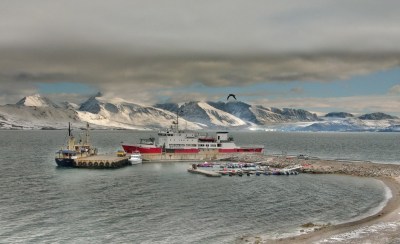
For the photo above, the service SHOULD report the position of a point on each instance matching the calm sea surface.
(162, 203)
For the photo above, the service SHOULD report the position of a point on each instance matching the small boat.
(135, 158)
(205, 165)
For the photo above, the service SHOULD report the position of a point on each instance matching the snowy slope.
(105, 122)
(36, 101)
(265, 115)
(238, 109)
(124, 114)
(220, 118)
(69, 105)
(29, 117)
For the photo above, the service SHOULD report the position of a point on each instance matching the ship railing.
(253, 146)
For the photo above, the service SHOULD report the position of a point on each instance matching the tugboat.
(68, 156)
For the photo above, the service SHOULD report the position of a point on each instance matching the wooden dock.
(204, 172)
(101, 161)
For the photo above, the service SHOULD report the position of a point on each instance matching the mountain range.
(38, 112)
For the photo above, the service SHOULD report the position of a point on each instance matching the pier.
(101, 161)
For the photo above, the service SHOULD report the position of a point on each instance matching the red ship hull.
(142, 150)
(155, 150)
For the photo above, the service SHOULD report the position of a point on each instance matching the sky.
(322, 56)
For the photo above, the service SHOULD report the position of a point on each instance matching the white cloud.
(12, 92)
(353, 104)
(395, 90)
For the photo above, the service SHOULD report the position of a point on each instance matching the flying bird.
(231, 95)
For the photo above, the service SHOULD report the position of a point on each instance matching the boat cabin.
(66, 154)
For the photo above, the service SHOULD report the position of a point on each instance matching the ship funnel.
(222, 136)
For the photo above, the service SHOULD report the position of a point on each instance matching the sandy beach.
(382, 227)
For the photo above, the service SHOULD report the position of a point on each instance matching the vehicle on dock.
(175, 144)
(121, 153)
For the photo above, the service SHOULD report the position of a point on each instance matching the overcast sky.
(312, 54)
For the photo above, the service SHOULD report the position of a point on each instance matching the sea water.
(162, 203)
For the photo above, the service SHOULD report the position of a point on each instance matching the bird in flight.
(231, 95)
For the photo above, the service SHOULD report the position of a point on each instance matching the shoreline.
(331, 234)
(381, 227)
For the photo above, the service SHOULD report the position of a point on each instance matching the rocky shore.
(323, 166)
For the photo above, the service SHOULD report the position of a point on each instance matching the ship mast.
(177, 121)
(71, 139)
(87, 134)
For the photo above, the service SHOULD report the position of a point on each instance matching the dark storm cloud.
(126, 47)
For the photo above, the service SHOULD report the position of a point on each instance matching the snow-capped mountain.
(36, 101)
(124, 114)
(339, 115)
(377, 116)
(210, 115)
(38, 112)
(245, 114)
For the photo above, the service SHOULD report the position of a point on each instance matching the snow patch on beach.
(298, 231)
(378, 230)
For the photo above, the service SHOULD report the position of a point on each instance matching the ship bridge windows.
(201, 145)
(176, 145)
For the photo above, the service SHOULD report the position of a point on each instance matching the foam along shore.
(382, 227)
